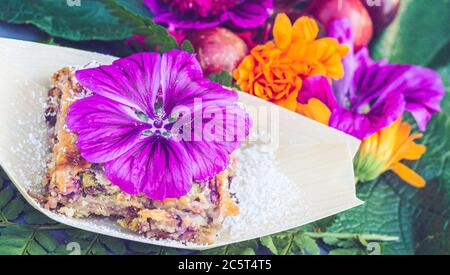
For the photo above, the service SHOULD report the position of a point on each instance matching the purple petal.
(201, 94)
(342, 30)
(185, 22)
(183, 83)
(106, 128)
(210, 138)
(361, 125)
(352, 123)
(158, 167)
(359, 122)
(363, 59)
(421, 88)
(178, 70)
(163, 15)
(317, 87)
(133, 81)
(423, 91)
(251, 13)
(210, 158)
(247, 14)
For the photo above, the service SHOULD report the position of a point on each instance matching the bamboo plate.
(316, 158)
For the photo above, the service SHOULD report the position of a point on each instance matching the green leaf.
(16, 230)
(187, 46)
(46, 240)
(10, 206)
(267, 241)
(95, 244)
(32, 216)
(417, 35)
(223, 78)
(12, 245)
(306, 244)
(117, 246)
(281, 243)
(13, 209)
(35, 249)
(341, 251)
(89, 21)
(18, 239)
(418, 217)
(346, 243)
(324, 223)
(98, 249)
(292, 242)
(243, 248)
(444, 71)
(156, 35)
(142, 248)
(330, 241)
(5, 196)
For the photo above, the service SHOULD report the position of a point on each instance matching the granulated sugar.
(265, 194)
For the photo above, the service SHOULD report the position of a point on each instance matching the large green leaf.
(444, 71)
(88, 21)
(26, 240)
(419, 32)
(420, 218)
(157, 37)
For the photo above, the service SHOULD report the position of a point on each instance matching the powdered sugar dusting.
(34, 141)
(261, 188)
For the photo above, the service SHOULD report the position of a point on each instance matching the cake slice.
(77, 188)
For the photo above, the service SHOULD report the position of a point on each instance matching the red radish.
(327, 11)
(382, 12)
(218, 49)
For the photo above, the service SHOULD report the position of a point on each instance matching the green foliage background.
(397, 218)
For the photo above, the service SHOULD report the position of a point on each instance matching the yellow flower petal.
(316, 110)
(389, 146)
(305, 28)
(408, 175)
(414, 152)
(290, 102)
(282, 31)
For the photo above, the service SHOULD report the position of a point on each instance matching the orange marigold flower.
(275, 71)
(385, 149)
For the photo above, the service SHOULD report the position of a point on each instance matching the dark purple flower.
(374, 94)
(149, 121)
(200, 14)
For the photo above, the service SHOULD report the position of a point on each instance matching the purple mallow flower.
(200, 14)
(373, 94)
(156, 123)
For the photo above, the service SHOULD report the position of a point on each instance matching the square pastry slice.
(77, 188)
